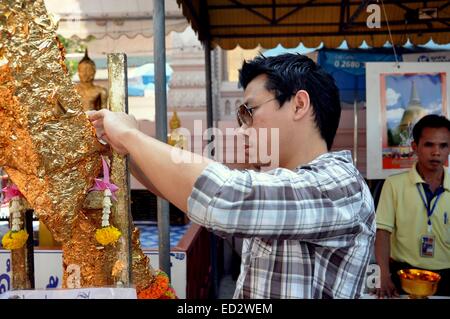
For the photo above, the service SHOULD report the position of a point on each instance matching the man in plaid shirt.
(307, 225)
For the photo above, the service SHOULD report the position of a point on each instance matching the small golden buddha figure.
(175, 138)
(94, 97)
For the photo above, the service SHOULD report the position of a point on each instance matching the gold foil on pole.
(49, 150)
(83, 251)
(121, 209)
(19, 258)
(142, 272)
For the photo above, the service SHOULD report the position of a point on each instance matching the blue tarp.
(143, 78)
(347, 66)
(348, 69)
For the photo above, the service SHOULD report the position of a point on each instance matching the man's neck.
(434, 178)
(307, 155)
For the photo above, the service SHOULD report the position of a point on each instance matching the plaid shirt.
(308, 231)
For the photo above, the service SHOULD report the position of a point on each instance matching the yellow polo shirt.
(402, 212)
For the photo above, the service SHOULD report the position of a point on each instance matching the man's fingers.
(104, 139)
(99, 133)
(386, 293)
(92, 115)
(378, 293)
(96, 115)
(98, 124)
(396, 294)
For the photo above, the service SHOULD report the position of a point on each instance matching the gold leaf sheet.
(48, 146)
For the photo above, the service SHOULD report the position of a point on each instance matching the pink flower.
(10, 192)
(102, 184)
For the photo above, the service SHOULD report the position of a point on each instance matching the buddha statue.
(94, 97)
(174, 137)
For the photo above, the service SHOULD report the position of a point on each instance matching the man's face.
(433, 148)
(266, 117)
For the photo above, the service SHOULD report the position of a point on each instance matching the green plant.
(74, 45)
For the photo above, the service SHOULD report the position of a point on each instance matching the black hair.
(430, 121)
(289, 73)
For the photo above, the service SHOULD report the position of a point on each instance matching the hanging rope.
(390, 35)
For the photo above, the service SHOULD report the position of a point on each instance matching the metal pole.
(121, 211)
(209, 123)
(355, 132)
(161, 125)
(208, 76)
(30, 246)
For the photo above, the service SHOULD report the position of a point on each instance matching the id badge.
(427, 246)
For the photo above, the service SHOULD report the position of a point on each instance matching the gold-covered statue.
(175, 138)
(49, 150)
(93, 97)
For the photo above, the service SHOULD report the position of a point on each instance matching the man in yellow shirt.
(413, 227)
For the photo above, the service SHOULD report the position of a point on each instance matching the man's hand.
(112, 127)
(387, 288)
(382, 255)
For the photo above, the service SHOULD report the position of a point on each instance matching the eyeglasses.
(244, 113)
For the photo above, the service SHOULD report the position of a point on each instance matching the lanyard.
(427, 207)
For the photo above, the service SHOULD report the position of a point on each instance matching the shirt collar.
(416, 178)
(344, 156)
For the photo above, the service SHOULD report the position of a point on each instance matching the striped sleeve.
(281, 204)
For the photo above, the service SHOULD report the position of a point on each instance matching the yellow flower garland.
(14, 239)
(107, 235)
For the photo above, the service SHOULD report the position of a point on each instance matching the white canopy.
(112, 18)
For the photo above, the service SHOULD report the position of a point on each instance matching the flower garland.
(16, 237)
(159, 288)
(108, 234)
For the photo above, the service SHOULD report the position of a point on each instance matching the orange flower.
(169, 294)
(158, 289)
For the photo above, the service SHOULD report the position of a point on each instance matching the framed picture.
(398, 95)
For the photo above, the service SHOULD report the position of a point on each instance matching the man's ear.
(301, 104)
(414, 146)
